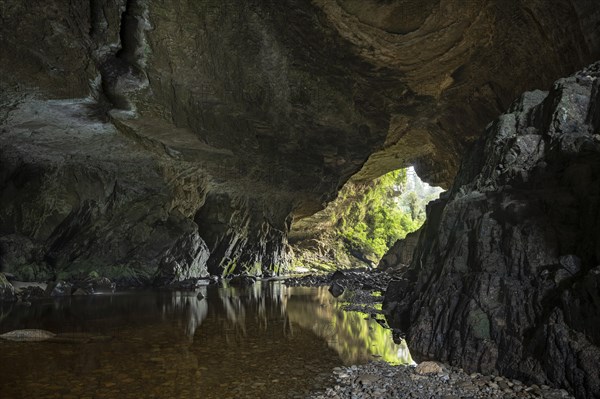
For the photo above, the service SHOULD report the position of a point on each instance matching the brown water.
(266, 341)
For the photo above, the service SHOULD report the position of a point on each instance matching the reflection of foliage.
(355, 336)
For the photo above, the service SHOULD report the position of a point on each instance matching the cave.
(158, 145)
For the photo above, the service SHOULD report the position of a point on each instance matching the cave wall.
(257, 110)
(506, 275)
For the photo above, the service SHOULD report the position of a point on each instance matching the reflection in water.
(266, 340)
(356, 337)
(193, 310)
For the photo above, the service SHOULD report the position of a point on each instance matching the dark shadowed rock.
(336, 289)
(338, 275)
(81, 292)
(505, 277)
(32, 292)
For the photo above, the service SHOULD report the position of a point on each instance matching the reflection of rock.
(242, 281)
(7, 291)
(195, 309)
(59, 288)
(336, 289)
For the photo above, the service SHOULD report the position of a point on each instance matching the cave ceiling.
(279, 101)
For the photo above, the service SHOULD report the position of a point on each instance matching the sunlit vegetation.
(364, 221)
(375, 220)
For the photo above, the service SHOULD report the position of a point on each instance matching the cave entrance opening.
(365, 220)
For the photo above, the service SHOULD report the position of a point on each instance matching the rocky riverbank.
(364, 279)
(427, 380)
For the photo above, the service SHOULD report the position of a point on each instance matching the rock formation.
(155, 141)
(506, 276)
(401, 253)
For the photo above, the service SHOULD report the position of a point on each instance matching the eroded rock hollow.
(153, 141)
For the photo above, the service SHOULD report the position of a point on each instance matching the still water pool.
(264, 341)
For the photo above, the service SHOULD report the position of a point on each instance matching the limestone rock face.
(79, 198)
(401, 253)
(506, 275)
(159, 140)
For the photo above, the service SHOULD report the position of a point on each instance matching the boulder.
(429, 367)
(338, 275)
(336, 289)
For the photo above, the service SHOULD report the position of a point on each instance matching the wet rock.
(7, 291)
(336, 289)
(338, 275)
(571, 264)
(505, 278)
(103, 284)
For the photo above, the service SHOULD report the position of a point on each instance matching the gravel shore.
(428, 380)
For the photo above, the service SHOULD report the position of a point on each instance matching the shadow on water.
(266, 340)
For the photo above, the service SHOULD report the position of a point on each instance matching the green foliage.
(374, 220)
(362, 223)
